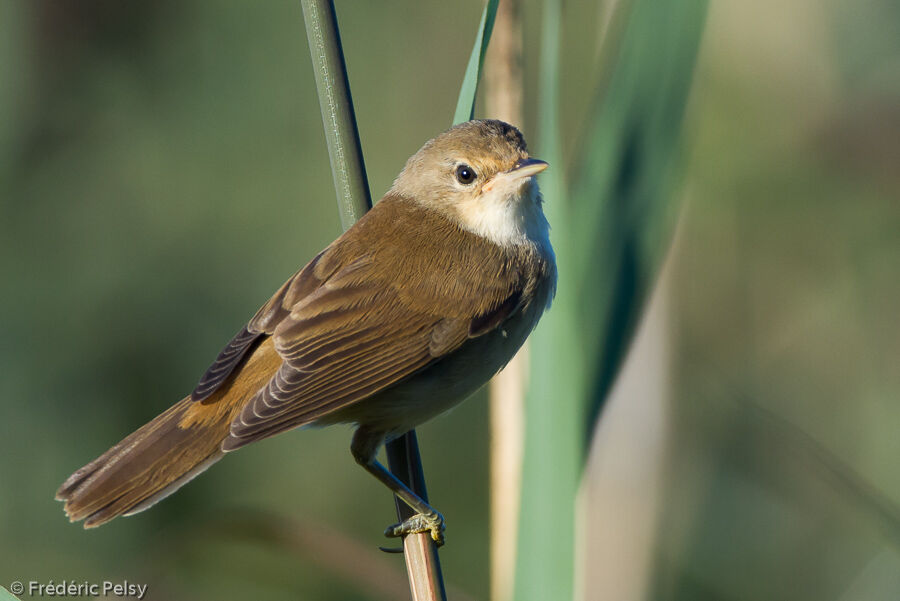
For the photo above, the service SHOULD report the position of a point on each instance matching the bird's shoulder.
(401, 262)
(422, 256)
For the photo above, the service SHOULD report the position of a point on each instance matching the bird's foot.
(421, 522)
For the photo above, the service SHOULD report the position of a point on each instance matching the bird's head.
(480, 174)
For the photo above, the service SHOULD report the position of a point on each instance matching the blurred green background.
(163, 170)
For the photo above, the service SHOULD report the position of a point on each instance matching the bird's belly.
(442, 385)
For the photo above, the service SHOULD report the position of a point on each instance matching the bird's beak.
(527, 167)
(522, 169)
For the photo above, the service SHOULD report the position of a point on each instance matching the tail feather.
(166, 453)
(146, 466)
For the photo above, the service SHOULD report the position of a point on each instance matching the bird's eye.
(465, 174)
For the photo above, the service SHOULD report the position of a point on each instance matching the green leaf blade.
(465, 105)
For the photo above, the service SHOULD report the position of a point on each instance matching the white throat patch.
(509, 213)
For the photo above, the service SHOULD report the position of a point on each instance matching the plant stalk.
(503, 99)
(351, 184)
(425, 579)
(338, 116)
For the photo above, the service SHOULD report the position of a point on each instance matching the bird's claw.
(420, 522)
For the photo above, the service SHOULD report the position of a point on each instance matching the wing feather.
(340, 347)
(361, 316)
(225, 363)
(270, 315)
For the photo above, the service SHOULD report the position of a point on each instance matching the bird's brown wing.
(363, 315)
(351, 338)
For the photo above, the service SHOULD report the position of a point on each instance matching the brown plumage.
(165, 453)
(412, 309)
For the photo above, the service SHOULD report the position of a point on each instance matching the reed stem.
(351, 184)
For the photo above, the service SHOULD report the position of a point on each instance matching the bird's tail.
(148, 465)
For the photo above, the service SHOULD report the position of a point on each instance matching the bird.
(408, 312)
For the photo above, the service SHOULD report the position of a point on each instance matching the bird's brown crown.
(487, 138)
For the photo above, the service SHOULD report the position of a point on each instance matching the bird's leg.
(364, 448)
